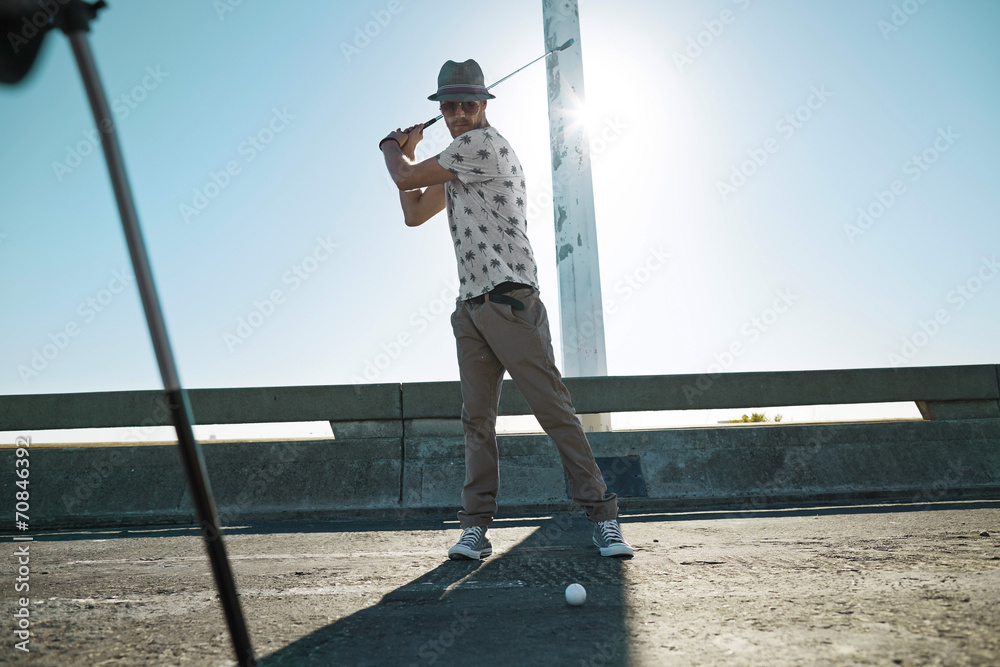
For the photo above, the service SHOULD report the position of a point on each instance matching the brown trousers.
(492, 337)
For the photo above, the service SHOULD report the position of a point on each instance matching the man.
(499, 322)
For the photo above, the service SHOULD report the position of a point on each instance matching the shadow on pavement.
(508, 609)
(252, 528)
(407, 523)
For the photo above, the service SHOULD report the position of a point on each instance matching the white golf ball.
(576, 594)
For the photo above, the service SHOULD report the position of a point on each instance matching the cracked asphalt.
(888, 584)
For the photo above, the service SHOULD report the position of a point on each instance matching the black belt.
(499, 295)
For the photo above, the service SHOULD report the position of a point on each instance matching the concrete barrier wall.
(399, 448)
(121, 486)
(739, 466)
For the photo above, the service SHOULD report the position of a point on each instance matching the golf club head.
(18, 51)
(565, 46)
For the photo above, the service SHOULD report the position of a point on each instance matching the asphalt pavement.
(890, 584)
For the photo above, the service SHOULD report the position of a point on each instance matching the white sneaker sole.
(616, 550)
(464, 553)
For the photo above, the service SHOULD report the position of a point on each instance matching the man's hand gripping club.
(407, 139)
(399, 148)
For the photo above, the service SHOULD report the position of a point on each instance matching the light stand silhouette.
(21, 18)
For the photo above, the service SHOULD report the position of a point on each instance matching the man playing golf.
(499, 321)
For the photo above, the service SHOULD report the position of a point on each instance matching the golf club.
(558, 48)
(74, 17)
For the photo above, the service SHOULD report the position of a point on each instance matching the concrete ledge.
(367, 429)
(436, 400)
(243, 405)
(730, 390)
(986, 409)
(443, 400)
(292, 404)
(780, 388)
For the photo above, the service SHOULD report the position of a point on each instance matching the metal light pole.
(580, 304)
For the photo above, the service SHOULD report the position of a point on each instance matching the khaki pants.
(492, 337)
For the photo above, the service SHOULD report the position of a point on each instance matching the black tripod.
(28, 22)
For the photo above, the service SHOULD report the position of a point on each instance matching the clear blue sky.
(318, 98)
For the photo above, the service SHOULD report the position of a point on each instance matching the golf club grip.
(431, 122)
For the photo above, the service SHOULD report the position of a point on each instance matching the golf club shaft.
(548, 53)
(176, 397)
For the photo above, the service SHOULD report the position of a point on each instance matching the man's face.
(460, 117)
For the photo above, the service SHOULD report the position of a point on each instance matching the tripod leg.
(177, 400)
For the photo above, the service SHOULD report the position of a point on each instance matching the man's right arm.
(421, 185)
(410, 175)
(419, 206)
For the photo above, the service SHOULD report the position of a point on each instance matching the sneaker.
(608, 538)
(473, 545)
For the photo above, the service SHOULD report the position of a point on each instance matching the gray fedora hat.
(461, 82)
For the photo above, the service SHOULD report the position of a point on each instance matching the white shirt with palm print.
(486, 212)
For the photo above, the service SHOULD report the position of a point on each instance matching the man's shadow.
(508, 609)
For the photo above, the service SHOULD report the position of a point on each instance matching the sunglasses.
(451, 108)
